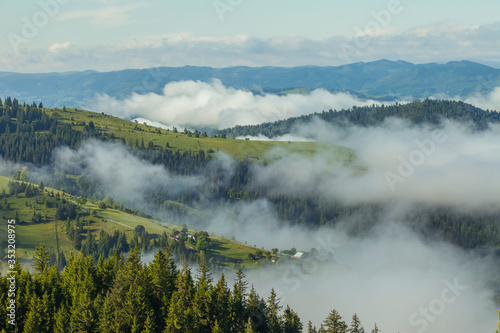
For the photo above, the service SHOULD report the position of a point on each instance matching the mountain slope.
(423, 112)
(51, 230)
(380, 79)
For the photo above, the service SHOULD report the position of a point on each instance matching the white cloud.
(388, 273)
(56, 47)
(104, 17)
(386, 277)
(201, 104)
(419, 165)
(434, 43)
(488, 102)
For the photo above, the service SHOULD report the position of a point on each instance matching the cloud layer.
(391, 277)
(201, 104)
(488, 102)
(452, 165)
(389, 274)
(439, 42)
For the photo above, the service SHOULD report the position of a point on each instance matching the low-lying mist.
(201, 104)
(391, 276)
(196, 104)
(386, 273)
(451, 165)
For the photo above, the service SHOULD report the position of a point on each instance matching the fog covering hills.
(427, 112)
(417, 220)
(382, 80)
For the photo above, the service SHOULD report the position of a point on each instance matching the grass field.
(29, 235)
(239, 149)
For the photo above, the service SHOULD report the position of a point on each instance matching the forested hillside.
(123, 295)
(382, 79)
(101, 291)
(29, 135)
(424, 112)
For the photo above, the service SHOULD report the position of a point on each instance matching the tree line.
(125, 295)
(21, 144)
(420, 112)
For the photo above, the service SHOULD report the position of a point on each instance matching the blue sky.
(64, 35)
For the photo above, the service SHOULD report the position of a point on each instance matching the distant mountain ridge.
(383, 79)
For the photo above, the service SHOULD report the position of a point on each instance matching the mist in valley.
(196, 104)
(384, 267)
(386, 272)
(372, 156)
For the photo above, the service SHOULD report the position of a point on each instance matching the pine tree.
(41, 259)
(106, 272)
(248, 327)
(135, 305)
(180, 316)
(202, 300)
(61, 320)
(239, 300)
(162, 274)
(221, 304)
(273, 308)
(375, 329)
(311, 328)
(291, 321)
(107, 320)
(356, 325)
(149, 325)
(126, 274)
(334, 323)
(34, 319)
(257, 309)
(82, 313)
(216, 328)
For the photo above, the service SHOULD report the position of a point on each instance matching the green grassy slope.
(239, 149)
(29, 235)
(227, 252)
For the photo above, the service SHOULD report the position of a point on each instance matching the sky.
(104, 35)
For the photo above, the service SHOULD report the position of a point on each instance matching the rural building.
(299, 255)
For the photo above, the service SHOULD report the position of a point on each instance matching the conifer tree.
(273, 318)
(257, 309)
(163, 275)
(135, 305)
(149, 325)
(82, 312)
(202, 306)
(239, 300)
(41, 259)
(356, 325)
(34, 319)
(221, 304)
(216, 328)
(180, 316)
(291, 321)
(107, 321)
(61, 320)
(311, 328)
(248, 327)
(375, 329)
(334, 323)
